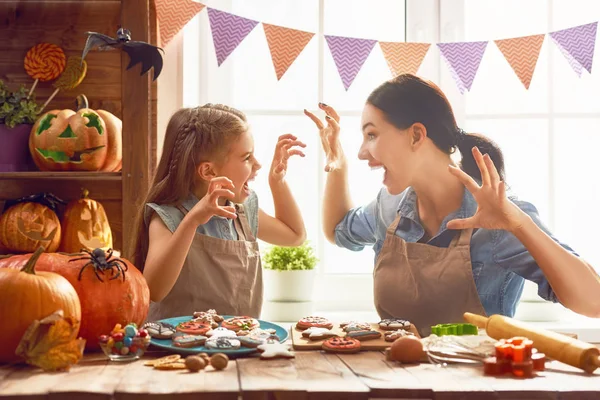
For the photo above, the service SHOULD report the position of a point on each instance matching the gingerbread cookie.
(159, 330)
(209, 316)
(223, 343)
(314, 321)
(391, 336)
(393, 324)
(186, 341)
(364, 335)
(275, 350)
(315, 333)
(223, 332)
(356, 326)
(194, 328)
(241, 323)
(341, 345)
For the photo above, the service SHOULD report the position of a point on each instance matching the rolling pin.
(562, 348)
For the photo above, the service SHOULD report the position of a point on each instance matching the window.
(540, 130)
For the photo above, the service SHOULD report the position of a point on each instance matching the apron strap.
(391, 230)
(462, 238)
(181, 209)
(241, 225)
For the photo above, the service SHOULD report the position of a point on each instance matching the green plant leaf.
(290, 258)
(15, 108)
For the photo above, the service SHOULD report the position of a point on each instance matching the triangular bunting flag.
(404, 58)
(577, 45)
(173, 16)
(522, 54)
(285, 45)
(463, 59)
(349, 55)
(228, 31)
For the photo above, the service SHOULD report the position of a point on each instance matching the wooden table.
(311, 375)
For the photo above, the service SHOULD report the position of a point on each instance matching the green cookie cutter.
(454, 329)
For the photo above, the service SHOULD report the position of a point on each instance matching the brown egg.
(407, 349)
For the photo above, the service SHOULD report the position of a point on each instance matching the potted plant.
(289, 273)
(17, 116)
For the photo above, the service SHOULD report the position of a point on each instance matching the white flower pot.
(289, 286)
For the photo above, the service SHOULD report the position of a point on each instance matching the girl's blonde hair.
(193, 135)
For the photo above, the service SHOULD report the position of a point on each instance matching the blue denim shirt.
(500, 261)
(217, 226)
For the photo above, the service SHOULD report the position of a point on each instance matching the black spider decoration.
(101, 262)
(47, 199)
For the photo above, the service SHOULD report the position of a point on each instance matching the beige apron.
(220, 274)
(425, 284)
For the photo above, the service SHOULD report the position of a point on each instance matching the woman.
(441, 250)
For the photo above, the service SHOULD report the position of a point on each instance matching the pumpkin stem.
(30, 266)
(84, 193)
(82, 102)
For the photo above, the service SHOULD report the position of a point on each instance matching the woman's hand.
(329, 134)
(284, 149)
(209, 205)
(494, 209)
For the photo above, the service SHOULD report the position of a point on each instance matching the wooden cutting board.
(302, 343)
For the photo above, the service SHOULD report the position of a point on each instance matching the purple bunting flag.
(228, 31)
(463, 59)
(577, 45)
(349, 55)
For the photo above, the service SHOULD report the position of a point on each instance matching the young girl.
(197, 232)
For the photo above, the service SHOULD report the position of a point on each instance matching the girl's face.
(385, 146)
(240, 166)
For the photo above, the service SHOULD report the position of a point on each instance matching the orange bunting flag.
(522, 54)
(173, 15)
(285, 45)
(404, 58)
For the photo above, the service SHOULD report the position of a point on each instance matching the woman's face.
(385, 146)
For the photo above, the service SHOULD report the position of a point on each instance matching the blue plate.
(167, 344)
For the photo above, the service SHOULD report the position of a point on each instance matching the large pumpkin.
(27, 295)
(82, 140)
(85, 226)
(26, 226)
(103, 303)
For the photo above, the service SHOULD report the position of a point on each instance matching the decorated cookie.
(223, 343)
(241, 323)
(341, 345)
(356, 326)
(186, 341)
(250, 342)
(391, 336)
(159, 330)
(209, 316)
(364, 335)
(274, 350)
(393, 324)
(223, 332)
(194, 328)
(314, 321)
(315, 333)
(261, 334)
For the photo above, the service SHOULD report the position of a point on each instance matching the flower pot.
(14, 149)
(289, 286)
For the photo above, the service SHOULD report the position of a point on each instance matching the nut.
(195, 363)
(219, 361)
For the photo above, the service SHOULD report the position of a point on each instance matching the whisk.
(442, 350)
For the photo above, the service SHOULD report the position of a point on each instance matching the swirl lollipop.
(44, 62)
(70, 78)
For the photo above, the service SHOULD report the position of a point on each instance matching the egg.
(407, 349)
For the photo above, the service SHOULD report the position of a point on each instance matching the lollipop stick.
(49, 99)
(32, 88)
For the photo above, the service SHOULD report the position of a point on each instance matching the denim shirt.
(217, 226)
(499, 260)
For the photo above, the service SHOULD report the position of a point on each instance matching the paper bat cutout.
(139, 52)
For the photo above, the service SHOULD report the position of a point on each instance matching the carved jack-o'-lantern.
(82, 140)
(85, 226)
(26, 226)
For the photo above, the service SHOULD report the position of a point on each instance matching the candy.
(117, 336)
(124, 351)
(44, 62)
(127, 341)
(103, 338)
(130, 331)
(71, 77)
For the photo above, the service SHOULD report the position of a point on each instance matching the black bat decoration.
(139, 52)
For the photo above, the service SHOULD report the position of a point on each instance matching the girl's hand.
(494, 209)
(285, 148)
(209, 206)
(329, 134)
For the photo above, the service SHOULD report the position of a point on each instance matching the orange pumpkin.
(85, 226)
(82, 140)
(26, 226)
(27, 295)
(103, 303)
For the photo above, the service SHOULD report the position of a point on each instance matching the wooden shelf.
(54, 175)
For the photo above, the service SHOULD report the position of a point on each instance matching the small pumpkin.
(26, 226)
(85, 226)
(104, 301)
(81, 140)
(27, 295)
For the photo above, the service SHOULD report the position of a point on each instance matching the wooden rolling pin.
(562, 348)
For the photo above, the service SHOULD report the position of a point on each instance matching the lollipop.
(44, 62)
(70, 78)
